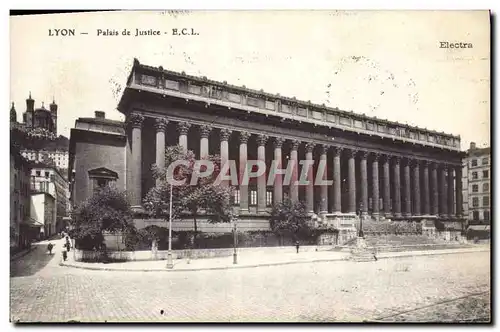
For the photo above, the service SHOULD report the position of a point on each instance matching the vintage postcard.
(250, 166)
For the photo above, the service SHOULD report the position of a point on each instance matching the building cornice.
(183, 86)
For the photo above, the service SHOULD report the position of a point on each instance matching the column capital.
(432, 165)
(415, 162)
(135, 120)
(205, 131)
(295, 144)
(397, 159)
(244, 136)
(363, 154)
(337, 150)
(351, 152)
(278, 142)
(225, 133)
(310, 146)
(376, 156)
(183, 127)
(406, 161)
(323, 148)
(161, 124)
(262, 139)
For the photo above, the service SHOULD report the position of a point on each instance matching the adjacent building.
(379, 168)
(22, 228)
(43, 211)
(48, 179)
(477, 184)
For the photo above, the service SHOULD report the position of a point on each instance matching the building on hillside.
(47, 179)
(43, 211)
(36, 118)
(380, 169)
(23, 229)
(477, 184)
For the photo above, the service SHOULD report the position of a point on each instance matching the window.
(475, 188)
(475, 215)
(485, 161)
(47, 174)
(486, 215)
(486, 187)
(486, 201)
(474, 175)
(269, 198)
(101, 183)
(37, 173)
(253, 197)
(486, 174)
(475, 202)
(236, 197)
(474, 162)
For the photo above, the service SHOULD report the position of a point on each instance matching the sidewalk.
(251, 260)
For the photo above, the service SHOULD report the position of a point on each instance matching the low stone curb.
(409, 254)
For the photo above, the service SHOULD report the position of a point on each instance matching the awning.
(479, 228)
(31, 223)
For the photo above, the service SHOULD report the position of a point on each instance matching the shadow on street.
(32, 262)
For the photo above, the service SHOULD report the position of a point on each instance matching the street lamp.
(235, 254)
(360, 233)
(170, 264)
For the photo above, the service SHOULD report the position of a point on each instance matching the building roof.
(262, 93)
(479, 151)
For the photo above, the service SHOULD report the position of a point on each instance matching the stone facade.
(477, 184)
(379, 169)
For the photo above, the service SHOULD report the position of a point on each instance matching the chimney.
(472, 145)
(100, 115)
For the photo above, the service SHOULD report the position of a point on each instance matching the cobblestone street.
(41, 290)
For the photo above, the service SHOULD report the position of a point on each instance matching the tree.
(289, 218)
(204, 197)
(108, 210)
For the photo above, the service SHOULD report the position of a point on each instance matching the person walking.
(49, 248)
(297, 246)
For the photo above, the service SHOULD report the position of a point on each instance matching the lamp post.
(360, 233)
(235, 254)
(170, 264)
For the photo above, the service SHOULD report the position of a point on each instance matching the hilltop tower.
(53, 113)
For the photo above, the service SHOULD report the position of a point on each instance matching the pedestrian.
(297, 246)
(49, 248)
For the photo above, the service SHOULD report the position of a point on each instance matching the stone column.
(278, 179)
(458, 191)
(396, 206)
(243, 164)
(364, 182)
(375, 186)
(387, 187)
(160, 126)
(416, 188)
(204, 133)
(351, 181)
(434, 190)
(443, 207)
(451, 193)
(310, 179)
(294, 189)
(337, 181)
(183, 131)
(224, 151)
(136, 121)
(261, 180)
(427, 193)
(407, 188)
(324, 188)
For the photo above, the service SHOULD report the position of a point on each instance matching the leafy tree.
(289, 218)
(107, 210)
(205, 197)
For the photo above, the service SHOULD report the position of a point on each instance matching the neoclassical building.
(380, 169)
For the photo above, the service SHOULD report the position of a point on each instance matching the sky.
(385, 64)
